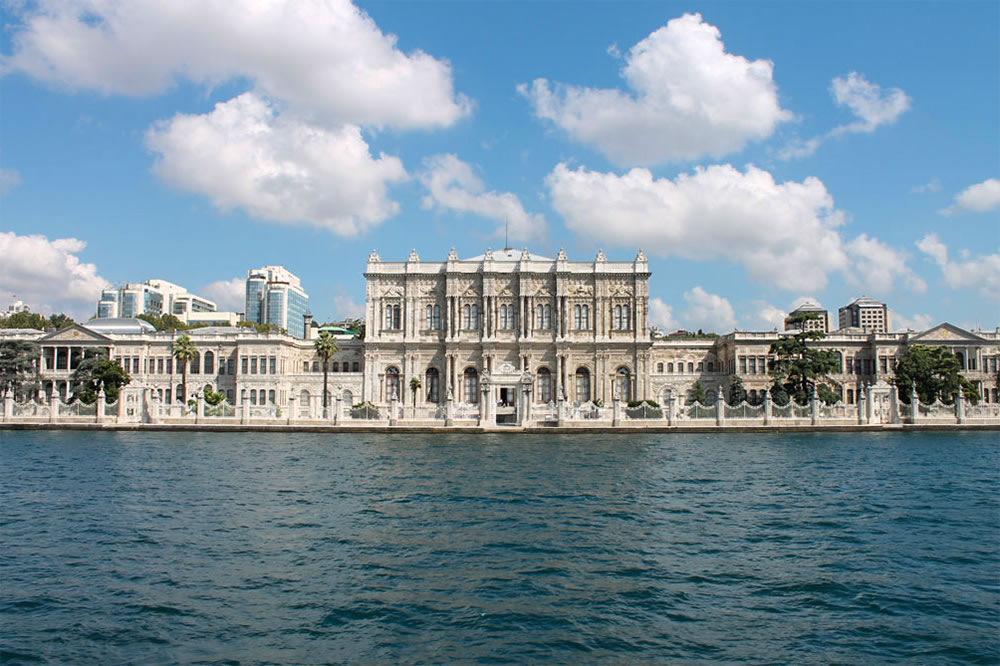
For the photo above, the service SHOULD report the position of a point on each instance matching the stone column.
(869, 405)
(526, 412)
(960, 405)
(767, 407)
(484, 404)
(154, 413)
(814, 407)
(393, 409)
(99, 406)
(720, 407)
(121, 405)
(54, 406)
(914, 403)
(616, 411)
(560, 410)
(668, 407)
(894, 405)
(336, 409)
(291, 410)
(8, 405)
(244, 413)
(861, 407)
(199, 409)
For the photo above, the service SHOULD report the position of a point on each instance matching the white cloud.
(687, 98)
(229, 295)
(345, 307)
(876, 267)
(933, 185)
(453, 185)
(784, 234)
(327, 58)
(244, 155)
(48, 275)
(769, 317)
(981, 272)
(661, 315)
(918, 322)
(708, 312)
(868, 102)
(9, 179)
(978, 198)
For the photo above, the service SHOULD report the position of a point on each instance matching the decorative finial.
(562, 255)
(373, 257)
(525, 255)
(413, 255)
(489, 254)
(641, 256)
(600, 256)
(452, 255)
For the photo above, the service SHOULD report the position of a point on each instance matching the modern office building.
(820, 321)
(158, 297)
(865, 313)
(274, 295)
(14, 307)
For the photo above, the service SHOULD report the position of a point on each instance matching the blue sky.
(759, 153)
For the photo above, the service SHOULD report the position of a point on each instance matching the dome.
(120, 326)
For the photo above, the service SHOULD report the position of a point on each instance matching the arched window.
(582, 385)
(548, 318)
(179, 397)
(195, 364)
(475, 317)
(544, 385)
(577, 317)
(626, 318)
(336, 366)
(304, 399)
(270, 397)
(392, 383)
(961, 360)
(209, 363)
(243, 397)
(253, 396)
(305, 366)
(230, 395)
(623, 384)
(670, 367)
(437, 318)
(691, 367)
(618, 317)
(315, 366)
(432, 382)
(467, 311)
(659, 367)
(586, 317)
(504, 324)
(355, 367)
(470, 383)
(430, 316)
(540, 317)
(348, 398)
(388, 316)
(395, 318)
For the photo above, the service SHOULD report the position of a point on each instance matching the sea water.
(153, 547)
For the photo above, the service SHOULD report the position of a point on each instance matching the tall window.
(471, 313)
(434, 317)
(433, 384)
(470, 382)
(582, 385)
(209, 363)
(505, 317)
(392, 319)
(581, 317)
(544, 385)
(623, 384)
(392, 383)
(543, 317)
(195, 364)
(623, 318)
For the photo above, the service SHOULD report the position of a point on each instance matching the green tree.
(779, 396)
(261, 328)
(165, 322)
(414, 387)
(184, 351)
(326, 346)
(798, 367)
(24, 320)
(96, 371)
(737, 393)
(18, 367)
(936, 372)
(697, 394)
(212, 397)
(60, 321)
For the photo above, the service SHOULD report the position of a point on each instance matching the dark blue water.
(249, 548)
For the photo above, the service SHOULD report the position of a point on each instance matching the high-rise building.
(865, 313)
(274, 295)
(157, 297)
(820, 322)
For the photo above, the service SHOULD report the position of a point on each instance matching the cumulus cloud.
(453, 185)
(9, 179)
(978, 198)
(784, 234)
(918, 322)
(709, 312)
(48, 275)
(661, 315)
(229, 295)
(876, 267)
(981, 272)
(871, 106)
(868, 102)
(769, 317)
(686, 98)
(325, 57)
(244, 155)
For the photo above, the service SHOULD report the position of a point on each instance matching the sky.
(761, 154)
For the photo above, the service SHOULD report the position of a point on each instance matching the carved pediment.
(622, 290)
(582, 290)
(74, 333)
(392, 292)
(944, 333)
(471, 293)
(543, 293)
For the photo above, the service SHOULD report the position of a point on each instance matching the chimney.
(309, 326)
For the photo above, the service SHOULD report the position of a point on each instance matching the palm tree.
(184, 351)
(326, 346)
(415, 386)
